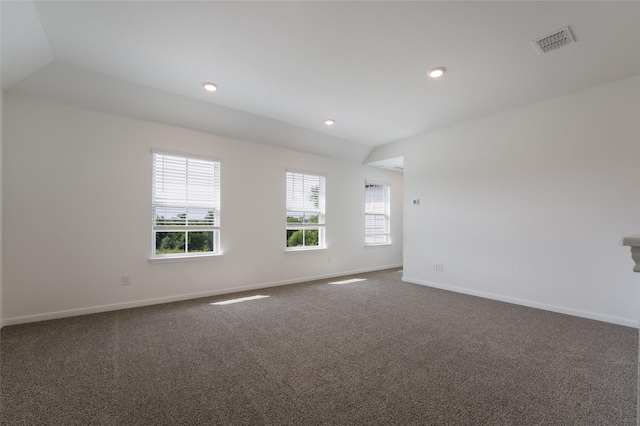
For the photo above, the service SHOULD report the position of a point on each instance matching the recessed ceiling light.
(330, 122)
(209, 86)
(436, 72)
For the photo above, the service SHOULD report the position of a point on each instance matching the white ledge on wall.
(170, 259)
(304, 250)
(633, 241)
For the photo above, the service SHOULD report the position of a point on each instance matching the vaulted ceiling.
(282, 68)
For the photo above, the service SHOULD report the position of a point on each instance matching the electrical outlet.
(440, 267)
(435, 266)
(126, 280)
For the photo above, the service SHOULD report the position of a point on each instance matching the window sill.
(304, 250)
(377, 245)
(192, 258)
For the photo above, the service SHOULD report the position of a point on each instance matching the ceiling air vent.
(553, 41)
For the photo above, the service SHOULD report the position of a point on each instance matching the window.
(376, 214)
(186, 205)
(305, 211)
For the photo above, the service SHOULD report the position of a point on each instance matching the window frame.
(319, 211)
(212, 206)
(376, 214)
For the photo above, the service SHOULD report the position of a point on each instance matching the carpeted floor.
(372, 352)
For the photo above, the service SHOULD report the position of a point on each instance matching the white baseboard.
(528, 303)
(179, 297)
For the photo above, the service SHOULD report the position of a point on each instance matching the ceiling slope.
(63, 83)
(24, 46)
(284, 67)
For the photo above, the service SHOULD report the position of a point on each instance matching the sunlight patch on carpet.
(353, 280)
(241, 299)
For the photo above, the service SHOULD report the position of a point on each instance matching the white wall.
(529, 206)
(1, 160)
(77, 215)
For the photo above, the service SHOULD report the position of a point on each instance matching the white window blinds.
(186, 192)
(376, 209)
(305, 193)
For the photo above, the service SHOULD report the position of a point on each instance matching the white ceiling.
(283, 67)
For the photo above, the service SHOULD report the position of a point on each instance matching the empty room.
(319, 212)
